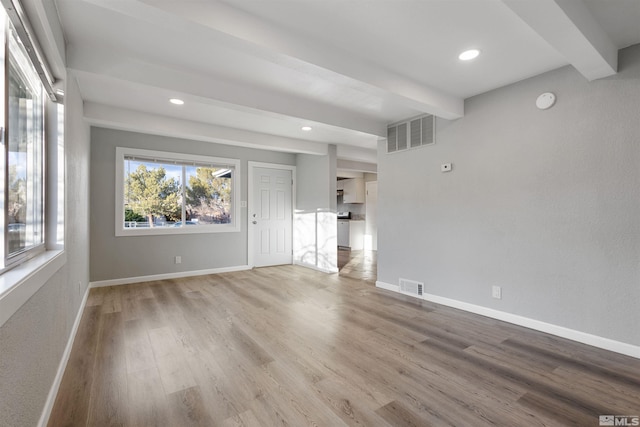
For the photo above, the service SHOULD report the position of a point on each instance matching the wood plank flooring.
(361, 265)
(294, 347)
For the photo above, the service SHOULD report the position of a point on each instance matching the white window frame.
(24, 274)
(169, 157)
(14, 259)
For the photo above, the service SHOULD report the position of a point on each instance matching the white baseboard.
(387, 286)
(315, 267)
(53, 392)
(560, 331)
(178, 275)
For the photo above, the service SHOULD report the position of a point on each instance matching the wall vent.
(411, 287)
(392, 139)
(402, 136)
(413, 133)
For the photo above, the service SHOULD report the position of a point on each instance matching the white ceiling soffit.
(116, 68)
(619, 18)
(350, 165)
(348, 152)
(295, 51)
(143, 97)
(417, 40)
(346, 68)
(569, 27)
(237, 31)
(119, 118)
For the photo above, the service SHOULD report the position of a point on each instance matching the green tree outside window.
(152, 194)
(208, 195)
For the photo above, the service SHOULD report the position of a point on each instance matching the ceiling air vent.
(413, 133)
(402, 136)
(392, 139)
(428, 130)
(416, 133)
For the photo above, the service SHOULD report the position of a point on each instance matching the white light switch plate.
(445, 167)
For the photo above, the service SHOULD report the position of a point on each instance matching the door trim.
(250, 237)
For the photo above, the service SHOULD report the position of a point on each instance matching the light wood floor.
(291, 346)
(361, 265)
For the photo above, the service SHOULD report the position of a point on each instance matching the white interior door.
(371, 217)
(270, 216)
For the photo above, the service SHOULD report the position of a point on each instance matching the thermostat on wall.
(546, 101)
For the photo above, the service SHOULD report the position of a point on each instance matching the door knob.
(254, 222)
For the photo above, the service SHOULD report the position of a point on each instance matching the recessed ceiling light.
(469, 54)
(306, 128)
(176, 101)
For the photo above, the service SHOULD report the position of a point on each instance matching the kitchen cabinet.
(351, 234)
(353, 191)
(343, 232)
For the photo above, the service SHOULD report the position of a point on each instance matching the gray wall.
(316, 181)
(545, 204)
(34, 338)
(315, 225)
(133, 256)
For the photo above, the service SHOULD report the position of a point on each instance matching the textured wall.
(315, 225)
(33, 339)
(77, 196)
(316, 181)
(542, 203)
(132, 256)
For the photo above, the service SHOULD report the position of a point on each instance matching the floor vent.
(411, 287)
(417, 132)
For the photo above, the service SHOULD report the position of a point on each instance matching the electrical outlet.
(178, 259)
(496, 292)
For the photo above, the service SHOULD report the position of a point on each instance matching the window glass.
(176, 194)
(24, 155)
(208, 195)
(152, 194)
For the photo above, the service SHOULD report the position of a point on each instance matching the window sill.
(22, 282)
(162, 231)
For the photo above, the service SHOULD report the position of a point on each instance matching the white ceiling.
(256, 71)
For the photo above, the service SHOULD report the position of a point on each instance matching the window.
(169, 193)
(31, 165)
(24, 151)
